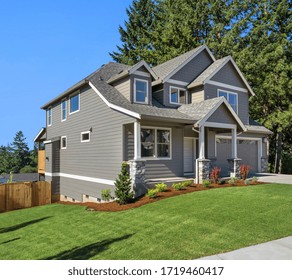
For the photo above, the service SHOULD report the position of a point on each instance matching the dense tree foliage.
(256, 33)
(16, 157)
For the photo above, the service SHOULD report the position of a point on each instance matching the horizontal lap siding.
(243, 107)
(123, 86)
(222, 115)
(103, 155)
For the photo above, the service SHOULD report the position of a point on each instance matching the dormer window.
(140, 91)
(231, 97)
(177, 96)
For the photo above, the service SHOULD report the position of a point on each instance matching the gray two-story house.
(178, 119)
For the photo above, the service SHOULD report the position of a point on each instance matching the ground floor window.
(155, 142)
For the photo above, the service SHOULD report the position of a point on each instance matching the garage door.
(247, 150)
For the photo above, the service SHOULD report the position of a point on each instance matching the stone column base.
(234, 166)
(137, 174)
(264, 164)
(203, 170)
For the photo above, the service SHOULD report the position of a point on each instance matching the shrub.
(206, 183)
(152, 193)
(178, 186)
(244, 170)
(254, 179)
(215, 174)
(187, 183)
(232, 181)
(221, 182)
(161, 187)
(106, 195)
(247, 181)
(123, 185)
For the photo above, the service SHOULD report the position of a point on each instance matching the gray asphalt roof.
(162, 70)
(209, 71)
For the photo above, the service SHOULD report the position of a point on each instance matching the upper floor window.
(140, 91)
(64, 110)
(177, 96)
(74, 103)
(50, 114)
(230, 97)
(155, 142)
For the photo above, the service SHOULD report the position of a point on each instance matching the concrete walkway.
(280, 249)
(274, 178)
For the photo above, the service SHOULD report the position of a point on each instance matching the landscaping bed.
(170, 192)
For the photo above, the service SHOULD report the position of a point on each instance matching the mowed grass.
(183, 227)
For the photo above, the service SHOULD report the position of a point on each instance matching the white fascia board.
(237, 69)
(40, 132)
(226, 86)
(223, 100)
(200, 49)
(115, 107)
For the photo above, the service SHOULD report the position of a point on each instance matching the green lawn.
(183, 227)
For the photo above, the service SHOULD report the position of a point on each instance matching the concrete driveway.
(280, 249)
(274, 178)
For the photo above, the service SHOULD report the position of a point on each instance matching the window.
(155, 142)
(64, 110)
(85, 136)
(64, 142)
(74, 103)
(178, 96)
(50, 116)
(140, 91)
(230, 97)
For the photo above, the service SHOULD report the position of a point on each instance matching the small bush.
(161, 187)
(215, 174)
(221, 182)
(178, 186)
(187, 183)
(247, 181)
(232, 181)
(152, 193)
(206, 183)
(106, 195)
(254, 179)
(244, 170)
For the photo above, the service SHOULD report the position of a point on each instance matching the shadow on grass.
(89, 251)
(11, 240)
(19, 226)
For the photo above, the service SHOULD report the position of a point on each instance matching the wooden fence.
(23, 195)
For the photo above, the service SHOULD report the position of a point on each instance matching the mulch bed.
(114, 206)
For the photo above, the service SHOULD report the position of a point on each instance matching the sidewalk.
(280, 249)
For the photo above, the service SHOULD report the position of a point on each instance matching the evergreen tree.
(123, 185)
(6, 159)
(20, 152)
(136, 36)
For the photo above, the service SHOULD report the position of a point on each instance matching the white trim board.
(82, 178)
(115, 107)
(143, 74)
(39, 133)
(226, 86)
(176, 82)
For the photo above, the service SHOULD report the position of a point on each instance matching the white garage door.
(247, 150)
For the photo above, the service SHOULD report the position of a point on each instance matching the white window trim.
(228, 92)
(155, 143)
(85, 132)
(62, 147)
(178, 88)
(62, 109)
(147, 91)
(72, 95)
(50, 109)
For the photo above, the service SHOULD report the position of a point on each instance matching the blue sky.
(46, 47)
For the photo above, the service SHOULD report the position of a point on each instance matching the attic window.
(140, 91)
(177, 95)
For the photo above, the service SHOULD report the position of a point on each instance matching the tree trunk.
(278, 152)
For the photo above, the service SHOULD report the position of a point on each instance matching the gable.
(229, 75)
(193, 68)
(222, 115)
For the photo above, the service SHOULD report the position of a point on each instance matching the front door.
(189, 155)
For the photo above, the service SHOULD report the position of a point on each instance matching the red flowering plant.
(244, 170)
(215, 174)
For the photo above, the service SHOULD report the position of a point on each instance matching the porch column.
(202, 142)
(137, 140)
(234, 143)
